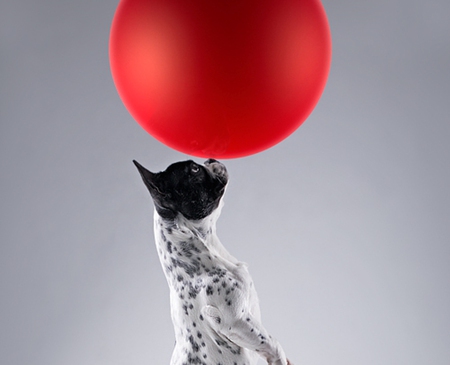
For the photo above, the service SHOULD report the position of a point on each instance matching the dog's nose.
(217, 168)
(210, 161)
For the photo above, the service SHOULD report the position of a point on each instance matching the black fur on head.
(186, 187)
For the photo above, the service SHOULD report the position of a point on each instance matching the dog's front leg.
(247, 332)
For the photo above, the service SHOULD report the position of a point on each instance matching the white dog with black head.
(214, 305)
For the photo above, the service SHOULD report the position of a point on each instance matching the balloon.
(220, 78)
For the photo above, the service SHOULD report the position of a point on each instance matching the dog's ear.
(148, 177)
(160, 197)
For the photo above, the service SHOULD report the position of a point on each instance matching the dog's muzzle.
(217, 169)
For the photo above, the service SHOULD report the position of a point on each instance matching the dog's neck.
(202, 232)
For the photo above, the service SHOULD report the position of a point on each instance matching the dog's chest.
(198, 276)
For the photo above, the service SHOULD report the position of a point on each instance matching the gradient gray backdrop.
(345, 225)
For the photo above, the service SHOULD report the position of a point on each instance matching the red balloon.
(220, 78)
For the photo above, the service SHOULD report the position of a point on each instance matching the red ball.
(220, 78)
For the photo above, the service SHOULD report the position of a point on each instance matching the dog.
(214, 305)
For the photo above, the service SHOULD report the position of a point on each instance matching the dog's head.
(186, 187)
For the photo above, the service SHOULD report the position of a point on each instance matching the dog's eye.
(195, 169)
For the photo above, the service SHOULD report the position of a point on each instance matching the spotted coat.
(214, 306)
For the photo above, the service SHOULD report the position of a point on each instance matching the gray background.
(345, 224)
